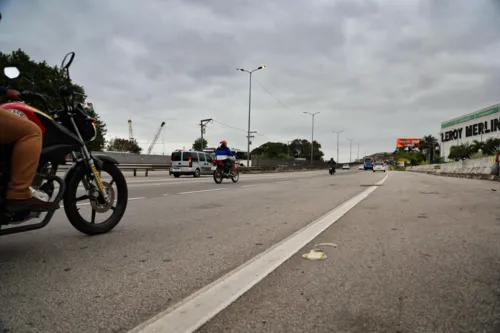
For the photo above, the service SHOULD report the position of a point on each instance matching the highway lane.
(166, 248)
(421, 254)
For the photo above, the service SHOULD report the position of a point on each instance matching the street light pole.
(249, 106)
(350, 149)
(338, 139)
(312, 134)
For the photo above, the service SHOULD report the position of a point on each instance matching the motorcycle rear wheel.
(72, 210)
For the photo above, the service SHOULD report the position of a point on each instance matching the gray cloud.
(378, 70)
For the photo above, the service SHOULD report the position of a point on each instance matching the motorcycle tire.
(71, 208)
(218, 176)
(236, 177)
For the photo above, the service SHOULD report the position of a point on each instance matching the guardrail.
(134, 167)
(243, 169)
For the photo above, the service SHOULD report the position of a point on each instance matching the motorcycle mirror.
(11, 72)
(68, 59)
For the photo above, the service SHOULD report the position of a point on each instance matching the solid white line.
(197, 309)
(214, 189)
(253, 185)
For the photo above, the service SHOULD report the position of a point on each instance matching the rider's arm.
(229, 152)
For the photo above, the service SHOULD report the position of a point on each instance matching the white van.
(190, 162)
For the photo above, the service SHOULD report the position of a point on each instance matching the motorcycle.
(222, 172)
(331, 170)
(65, 133)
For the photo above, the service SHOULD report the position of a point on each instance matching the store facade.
(480, 125)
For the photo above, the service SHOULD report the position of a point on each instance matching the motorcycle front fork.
(95, 178)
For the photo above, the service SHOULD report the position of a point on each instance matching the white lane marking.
(213, 189)
(197, 309)
(283, 182)
(252, 185)
(165, 194)
(138, 198)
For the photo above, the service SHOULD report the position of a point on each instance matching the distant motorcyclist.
(332, 164)
(223, 150)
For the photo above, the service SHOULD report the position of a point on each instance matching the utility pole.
(358, 152)
(338, 139)
(203, 124)
(249, 107)
(312, 134)
(350, 149)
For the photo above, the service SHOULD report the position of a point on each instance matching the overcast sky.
(379, 70)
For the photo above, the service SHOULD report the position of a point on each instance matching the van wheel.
(176, 175)
(196, 173)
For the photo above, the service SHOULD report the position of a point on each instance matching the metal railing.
(243, 169)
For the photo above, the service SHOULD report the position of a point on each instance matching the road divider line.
(194, 311)
(137, 198)
(253, 185)
(200, 191)
(283, 182)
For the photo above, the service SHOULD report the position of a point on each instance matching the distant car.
(379, 166)
(346, 167)
(361, 167)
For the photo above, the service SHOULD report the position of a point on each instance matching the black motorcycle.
(65, 133)
(331, 170)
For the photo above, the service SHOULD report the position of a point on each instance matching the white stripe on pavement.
(213, 189)
(283, 182)
(197, 309)
(252, 185)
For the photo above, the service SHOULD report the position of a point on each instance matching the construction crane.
(156, 138)
(130, 134)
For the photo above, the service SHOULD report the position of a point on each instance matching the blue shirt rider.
(224, 150)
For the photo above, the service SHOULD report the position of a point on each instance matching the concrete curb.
(459, 175)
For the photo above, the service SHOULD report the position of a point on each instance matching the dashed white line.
(138, 198)
(214, 189)
(283, 182)
(253, 185)
(194, 311)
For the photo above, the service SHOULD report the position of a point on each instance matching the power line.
(277, 100)
(236, 128)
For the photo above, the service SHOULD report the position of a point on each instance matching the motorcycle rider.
(223, 150)
(26, 138)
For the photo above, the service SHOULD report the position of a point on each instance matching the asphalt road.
(419, 254)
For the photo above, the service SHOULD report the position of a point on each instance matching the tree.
(124, 145)
(301, 148)
(46, 80)
(272, 150)
(197, 144)
(428, 145)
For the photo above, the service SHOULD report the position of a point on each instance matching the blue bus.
(368, 163)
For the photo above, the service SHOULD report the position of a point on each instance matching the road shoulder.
(403, 264)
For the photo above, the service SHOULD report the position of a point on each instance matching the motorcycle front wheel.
(73, 201)
(218, 176)
(236, 177)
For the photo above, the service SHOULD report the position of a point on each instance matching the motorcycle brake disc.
(104, 207)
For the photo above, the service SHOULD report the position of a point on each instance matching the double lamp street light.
(249, 107)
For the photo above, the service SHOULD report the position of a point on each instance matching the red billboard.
(408, 142)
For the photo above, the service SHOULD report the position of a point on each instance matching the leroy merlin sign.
(481, 127)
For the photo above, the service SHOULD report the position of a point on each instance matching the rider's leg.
(27, 140)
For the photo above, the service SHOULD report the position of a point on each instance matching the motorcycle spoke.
(113, 208)
(111, 182)
(93, 216)
(83, 197)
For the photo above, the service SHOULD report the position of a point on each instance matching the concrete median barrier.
(477, 169)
